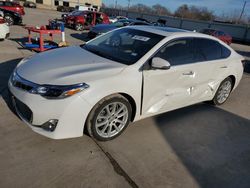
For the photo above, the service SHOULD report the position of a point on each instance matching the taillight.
(2, 21)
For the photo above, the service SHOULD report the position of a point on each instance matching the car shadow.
(82, 36)
(6, 70)
(213, 144)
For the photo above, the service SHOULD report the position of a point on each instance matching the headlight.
(59, 92)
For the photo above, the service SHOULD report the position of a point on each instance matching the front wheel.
(79, 27)
(223, 91)
(9, 19)
(109, 118)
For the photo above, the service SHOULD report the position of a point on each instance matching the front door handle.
(190, 73)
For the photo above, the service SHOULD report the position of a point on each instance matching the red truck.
(81, 20)
(218, 34)
(12, 6)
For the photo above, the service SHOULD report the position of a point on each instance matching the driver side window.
(178, 52)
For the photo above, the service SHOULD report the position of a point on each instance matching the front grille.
(23, 110)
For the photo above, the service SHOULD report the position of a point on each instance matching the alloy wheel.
(9, 20)
(112, 119)
(224, 91)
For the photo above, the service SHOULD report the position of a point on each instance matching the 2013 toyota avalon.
(123, 76)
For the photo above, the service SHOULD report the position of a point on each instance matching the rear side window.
(9, 4)
(208, 50)
(178, 52)
(225, 52)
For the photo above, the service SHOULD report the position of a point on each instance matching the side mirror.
(159, 63)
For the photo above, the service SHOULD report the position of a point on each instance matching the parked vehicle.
(75, 12)
(104, 28)
(65, 9)
(12, 6)
(86, 19)
(29, 4)
(11, 17)
(123, 76)
(218, 34)
(4, 29)
(1, 14)
(114, 19)
(85, 8)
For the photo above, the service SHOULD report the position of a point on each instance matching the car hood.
(103, 28)
(67, 66)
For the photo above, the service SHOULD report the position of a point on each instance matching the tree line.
(184, 11)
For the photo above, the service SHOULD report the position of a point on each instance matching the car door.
(165, 90)
(213, 58)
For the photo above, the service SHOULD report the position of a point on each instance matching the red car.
(12, 6)
(81, 20)
(218, 34)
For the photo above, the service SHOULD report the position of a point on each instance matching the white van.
(84, 8)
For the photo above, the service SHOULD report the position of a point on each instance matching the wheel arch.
(132, 103)
(126, 96)
(233, 80)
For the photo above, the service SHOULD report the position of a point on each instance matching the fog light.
(50, 125)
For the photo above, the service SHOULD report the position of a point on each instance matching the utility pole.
(242, 11)
(129, 4)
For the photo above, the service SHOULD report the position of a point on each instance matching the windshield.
(125, 45)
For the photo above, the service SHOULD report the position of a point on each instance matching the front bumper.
(71, 113)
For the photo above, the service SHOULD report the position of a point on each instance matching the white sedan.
(4, 29)
(123, 76)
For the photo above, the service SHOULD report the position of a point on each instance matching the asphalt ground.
(197, 146)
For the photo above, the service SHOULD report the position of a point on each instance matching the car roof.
(169, 31)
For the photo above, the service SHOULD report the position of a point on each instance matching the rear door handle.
(223, 67)
(190, 73)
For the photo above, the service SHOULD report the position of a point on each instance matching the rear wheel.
(9, 19)
(223, 91)
(109, 118)
(79, 27)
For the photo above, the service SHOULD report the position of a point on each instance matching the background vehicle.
(11, 17)
(123, 76)
(114, 19)
(218, 34)
(85, 8)
(65, 15)
(65, 9)
(4, 29)
(12, 6)
(86, 19)
(29, 4)
(104, 28)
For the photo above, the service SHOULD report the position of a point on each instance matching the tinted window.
(8, 4)
(178, 52)
(1, 3)
(225, 52)
(207, 50)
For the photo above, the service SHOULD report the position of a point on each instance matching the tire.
(223, 92)
(106, 122)
(79, 27)
(9, 19)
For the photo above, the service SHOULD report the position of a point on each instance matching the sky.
(218, 6)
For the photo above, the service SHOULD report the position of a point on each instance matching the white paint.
(164, 90)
